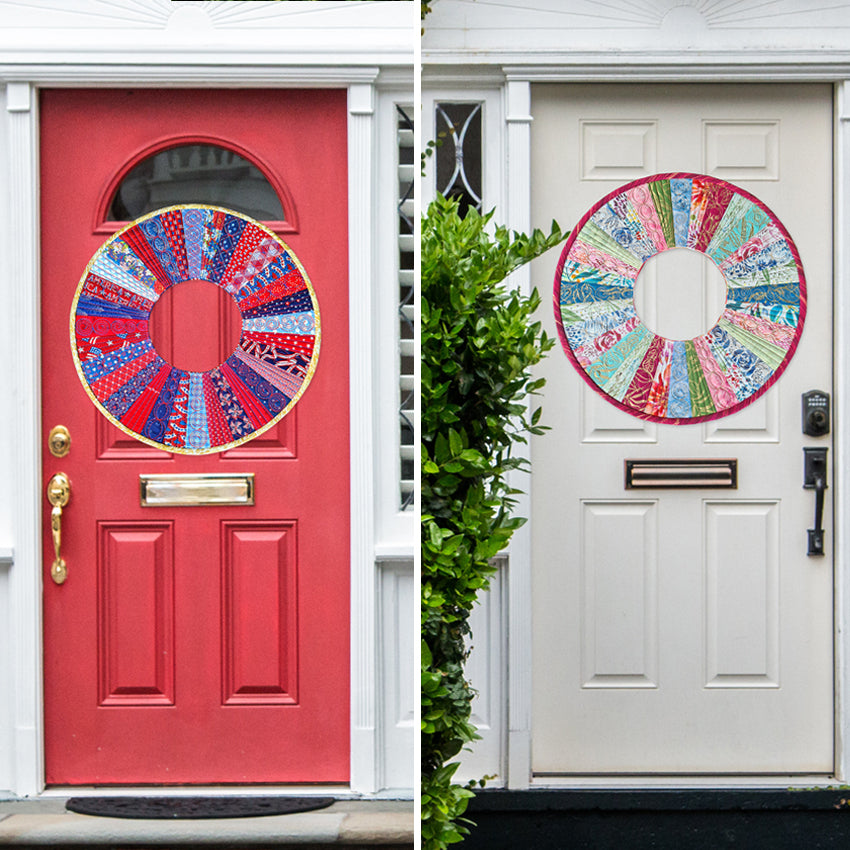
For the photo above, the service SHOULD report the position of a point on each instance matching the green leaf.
(480, 342)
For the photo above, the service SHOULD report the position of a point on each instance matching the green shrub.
(478, 346)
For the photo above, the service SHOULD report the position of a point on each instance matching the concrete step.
(44, 822)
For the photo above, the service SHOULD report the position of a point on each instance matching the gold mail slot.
(686, 474)
(225, 488)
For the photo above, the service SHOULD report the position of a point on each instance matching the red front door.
(197, 644)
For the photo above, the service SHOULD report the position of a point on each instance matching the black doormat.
(167, 808)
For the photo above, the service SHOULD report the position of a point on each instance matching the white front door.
(682, 631)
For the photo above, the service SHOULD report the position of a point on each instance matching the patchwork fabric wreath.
(194, 412)
(680, 381)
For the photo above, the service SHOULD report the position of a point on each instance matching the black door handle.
(814, 478)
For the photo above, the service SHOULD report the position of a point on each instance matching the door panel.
(198, 644)
(135, 613)
(682, 631)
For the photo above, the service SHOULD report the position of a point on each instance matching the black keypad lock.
(815, 413)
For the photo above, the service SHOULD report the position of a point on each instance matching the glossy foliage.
(479, 342)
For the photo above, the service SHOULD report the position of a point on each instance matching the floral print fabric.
(680, 381)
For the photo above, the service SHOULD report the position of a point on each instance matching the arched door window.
(198, 173)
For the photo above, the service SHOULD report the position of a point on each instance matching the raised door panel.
(741, 150)
(136, 613)
(259, 613)
(619, 609)
(618, 150)
(742, 560)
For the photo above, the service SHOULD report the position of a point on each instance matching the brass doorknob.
(58, 494)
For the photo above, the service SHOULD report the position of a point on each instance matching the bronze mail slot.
(687, 474)
(225, 488)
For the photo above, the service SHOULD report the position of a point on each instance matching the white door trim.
(364, 581)
(25, 574)
(517, 95)
(841, 406)
(841, 145)
(453, 74)
(21, 264)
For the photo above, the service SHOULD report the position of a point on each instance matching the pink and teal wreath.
(680, 381)
(194, 412)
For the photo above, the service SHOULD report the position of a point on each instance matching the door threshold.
(598, 782)
(198, 791)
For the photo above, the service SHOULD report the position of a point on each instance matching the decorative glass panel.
(195, 174)
(458, 153)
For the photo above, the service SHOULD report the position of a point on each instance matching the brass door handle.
(58, 494)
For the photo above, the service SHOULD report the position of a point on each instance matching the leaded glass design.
(458, 153)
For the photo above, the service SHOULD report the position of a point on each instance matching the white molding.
(364, 588)
(575, 67)
(394, 552)
(552, 31)
(188, 75)
(517, 213)
(722, 66)
(486, 668)
(517, 216)
(457, 78)
(841, 432)
(22, 265)
(727, 67)
(361, 100)
(398, 681)
(706, 782)
(158, 32)
(19, 97)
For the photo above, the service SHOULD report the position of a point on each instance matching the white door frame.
(452, 79)
(25, 574)
(248, 54)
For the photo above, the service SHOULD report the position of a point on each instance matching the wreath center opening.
(195, 325)
(680, 294)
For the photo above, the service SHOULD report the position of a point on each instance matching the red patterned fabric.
(194, 412)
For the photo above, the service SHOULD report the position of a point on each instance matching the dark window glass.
(459, 153)
(195, 174)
